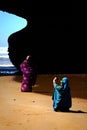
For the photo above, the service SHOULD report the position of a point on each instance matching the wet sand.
(33, 111)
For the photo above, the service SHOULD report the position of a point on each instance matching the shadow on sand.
(78, 83)
(78, 111)
(73, 111)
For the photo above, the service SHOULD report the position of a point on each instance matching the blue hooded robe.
(62, 96)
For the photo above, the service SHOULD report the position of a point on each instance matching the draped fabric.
(29, 76)
(62, 96)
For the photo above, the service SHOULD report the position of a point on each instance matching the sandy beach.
(33, 111)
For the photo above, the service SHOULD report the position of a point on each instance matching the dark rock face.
(19, 46)
(48, 36)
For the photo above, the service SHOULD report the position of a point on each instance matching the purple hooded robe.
(29, 75)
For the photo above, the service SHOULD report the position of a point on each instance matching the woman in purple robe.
(29, 74)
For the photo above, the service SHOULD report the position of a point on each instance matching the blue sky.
(9, 23)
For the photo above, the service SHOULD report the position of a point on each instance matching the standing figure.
(29, 74)
(61, 95)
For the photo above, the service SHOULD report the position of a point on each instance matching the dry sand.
(33, 111)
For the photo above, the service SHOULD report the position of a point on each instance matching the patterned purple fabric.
(29, 76)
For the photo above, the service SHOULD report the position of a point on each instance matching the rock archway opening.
(9, 24)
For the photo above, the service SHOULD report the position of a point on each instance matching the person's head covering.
(28, 57)
(31, 61)
(65, 82)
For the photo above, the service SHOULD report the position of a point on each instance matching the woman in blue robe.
(61, 95)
